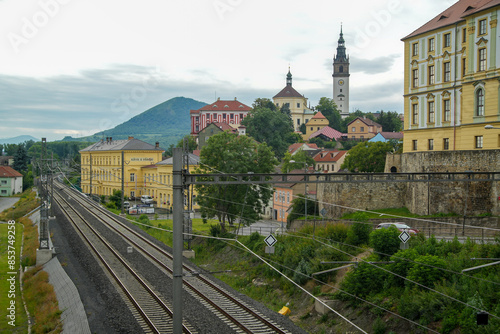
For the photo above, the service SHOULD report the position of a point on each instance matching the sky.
(75, 67)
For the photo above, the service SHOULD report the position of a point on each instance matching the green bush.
(385, 240)
(426, 270)
(365, 280)
(336, 232)
(359, 234)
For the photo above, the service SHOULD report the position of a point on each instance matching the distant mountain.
(166, 123)
(18, 139)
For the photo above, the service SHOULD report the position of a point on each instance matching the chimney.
(130, 137)
(157, 145)
(218, 99)
(235, 99)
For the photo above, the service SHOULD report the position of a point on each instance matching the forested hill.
(166, 123)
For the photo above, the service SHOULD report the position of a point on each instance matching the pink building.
(231, 112)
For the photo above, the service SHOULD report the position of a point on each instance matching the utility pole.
(90, 193)
(123, 180)
(178, 217)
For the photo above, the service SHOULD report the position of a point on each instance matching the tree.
(329, 109)
(229, 153)
(323, 143)
(303, 128)
(390, 121)
(271, 127)
(297, 161)
(21, 158)
(299, 205)
(116, 198)
(367, 157)
(191, 142)
(260, 103)
(385, 240)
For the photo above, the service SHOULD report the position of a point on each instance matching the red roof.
(224, 105)
(6, 171)
(288, 91)
(318, 115)
(329, 156)
(454, 14)
(329, 133)
(294, 147)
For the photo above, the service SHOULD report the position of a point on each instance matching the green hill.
(166, 123)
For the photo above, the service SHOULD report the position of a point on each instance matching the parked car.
(126, 205)
(399, 226)
(146, 199)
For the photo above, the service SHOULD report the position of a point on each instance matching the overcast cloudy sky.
(74, 67)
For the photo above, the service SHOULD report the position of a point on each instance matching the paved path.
(7, 202)
(73, 315)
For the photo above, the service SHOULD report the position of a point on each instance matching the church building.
(341, 78)
(295, 101)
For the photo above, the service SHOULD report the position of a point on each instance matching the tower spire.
(289, 77)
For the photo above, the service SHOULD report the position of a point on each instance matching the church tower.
(341, 78)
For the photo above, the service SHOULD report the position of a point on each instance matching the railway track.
(150, 310)
(238, 315)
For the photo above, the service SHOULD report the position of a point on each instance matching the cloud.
(372, 66)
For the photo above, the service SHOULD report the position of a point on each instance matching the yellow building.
(363, 128)
(296, 102)
(159, 178)
(101, 166)
(316, 123)
(452, 80)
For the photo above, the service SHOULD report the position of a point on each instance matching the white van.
(146, 199)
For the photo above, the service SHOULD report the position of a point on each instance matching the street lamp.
(489, 126)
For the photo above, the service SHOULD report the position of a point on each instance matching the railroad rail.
(153, 314)
(234, 312)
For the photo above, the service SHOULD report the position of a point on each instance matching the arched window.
(341, 69)
(480, 102)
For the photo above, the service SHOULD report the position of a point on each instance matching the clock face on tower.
(341, 82)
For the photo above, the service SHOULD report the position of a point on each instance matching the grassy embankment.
(39, 295)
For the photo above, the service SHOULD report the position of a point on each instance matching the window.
(414, 49)
(353, 129)
(414, 113)
(431, 75)
(341, 69)
(288, 197)
(276, 196)
(224, 116)
(415, 145)
(482, 59)
(431, 144)
(446, 110)
(132, 177)
(341, 90)
(464, 35)
(4, 191)
(480, 102)
(431, 44)
(362, 129)
(231, 116)
(298, 105)
(4, 181)
(446, 143)
(464, 66)
(431, 117)
(447, 40)
(447, 71)
(415, 78)
(482, 27)
(479, 141)
(298, 121)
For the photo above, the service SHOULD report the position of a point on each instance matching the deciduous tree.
(230, 153)
(367, 157)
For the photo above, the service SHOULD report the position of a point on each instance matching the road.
(7, 202)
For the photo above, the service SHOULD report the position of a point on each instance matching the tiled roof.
(224, 105)
(318, 115)
(130, 144)
(454, 14)
(294, 147)
(367, 121)
(288, 91)
(6, 171)
(329, 156)
(193, 160)
(392, 135)
(329, 133)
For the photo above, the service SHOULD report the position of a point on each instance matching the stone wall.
(423, 198)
